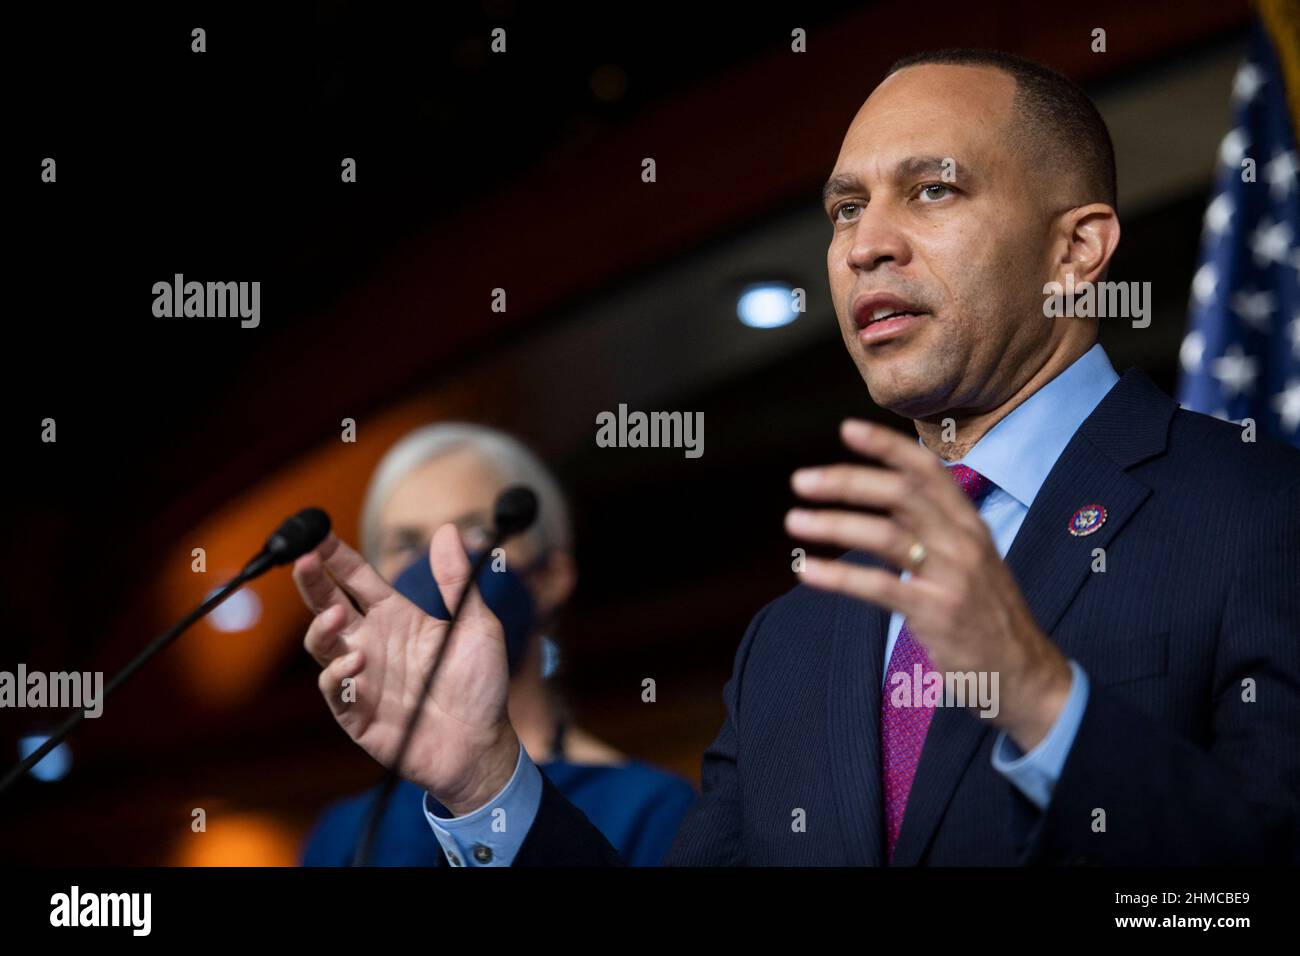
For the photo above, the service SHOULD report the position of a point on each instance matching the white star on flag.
(1287, 405)
(1218, 213)
(1255, 308)
(1204, 283)
(1233, 148)
(1189, 354)
(1247, 82)
(1235, 371)
(1280, 172)
(1270, 242)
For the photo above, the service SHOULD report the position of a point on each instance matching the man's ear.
(1088, 238)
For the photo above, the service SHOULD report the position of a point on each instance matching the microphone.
(513, 513)
(291, 540)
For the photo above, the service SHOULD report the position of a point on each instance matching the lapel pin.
(1087, 520)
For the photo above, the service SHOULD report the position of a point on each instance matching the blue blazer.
(1188, 751)
(636, 808)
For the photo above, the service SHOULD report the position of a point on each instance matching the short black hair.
(1051, 109)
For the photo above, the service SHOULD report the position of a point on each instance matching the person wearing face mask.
(453, 472)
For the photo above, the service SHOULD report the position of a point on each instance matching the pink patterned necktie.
(903, 729)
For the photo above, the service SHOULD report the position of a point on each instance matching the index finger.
(910, 457)
(351, 571)
(316, 588)
(893, 448)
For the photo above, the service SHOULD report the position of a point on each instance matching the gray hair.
(513, 461)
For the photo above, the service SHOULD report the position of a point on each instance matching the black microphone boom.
(294, 538)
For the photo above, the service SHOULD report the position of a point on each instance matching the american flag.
(1241, 355)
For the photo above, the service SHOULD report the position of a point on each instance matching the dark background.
(475, 171)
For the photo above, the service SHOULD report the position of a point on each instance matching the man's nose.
(876, 239)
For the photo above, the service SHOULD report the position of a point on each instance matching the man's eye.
(476, 537)
(925, 191)
(835, 213)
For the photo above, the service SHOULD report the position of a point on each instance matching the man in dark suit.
(1115, 581)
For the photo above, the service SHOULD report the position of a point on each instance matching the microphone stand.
(122, 676)
(296, 536)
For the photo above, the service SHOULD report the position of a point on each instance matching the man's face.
(938, 216)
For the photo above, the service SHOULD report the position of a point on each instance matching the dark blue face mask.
(504, 593)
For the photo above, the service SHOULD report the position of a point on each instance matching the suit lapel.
(1050, 565)
(853, 723)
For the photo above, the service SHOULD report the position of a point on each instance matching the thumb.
(451, 571)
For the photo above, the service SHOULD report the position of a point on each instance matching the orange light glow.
(223, 670)
(243, 839)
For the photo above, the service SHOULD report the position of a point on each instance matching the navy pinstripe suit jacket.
(1199, 602)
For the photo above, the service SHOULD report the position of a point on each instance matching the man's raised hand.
(464, 749)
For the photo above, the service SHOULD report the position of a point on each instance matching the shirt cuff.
(1035, 773)
(492, 834)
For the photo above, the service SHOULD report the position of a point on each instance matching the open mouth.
(884, 315)
(877, 308)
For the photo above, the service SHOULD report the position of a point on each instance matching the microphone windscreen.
(298, 535)
(515, 511)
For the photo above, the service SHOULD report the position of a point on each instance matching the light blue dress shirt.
(1015, 455)
(492, 834)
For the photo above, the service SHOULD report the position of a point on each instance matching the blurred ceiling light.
(54, 765)
(238, 612)
(766, 305)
